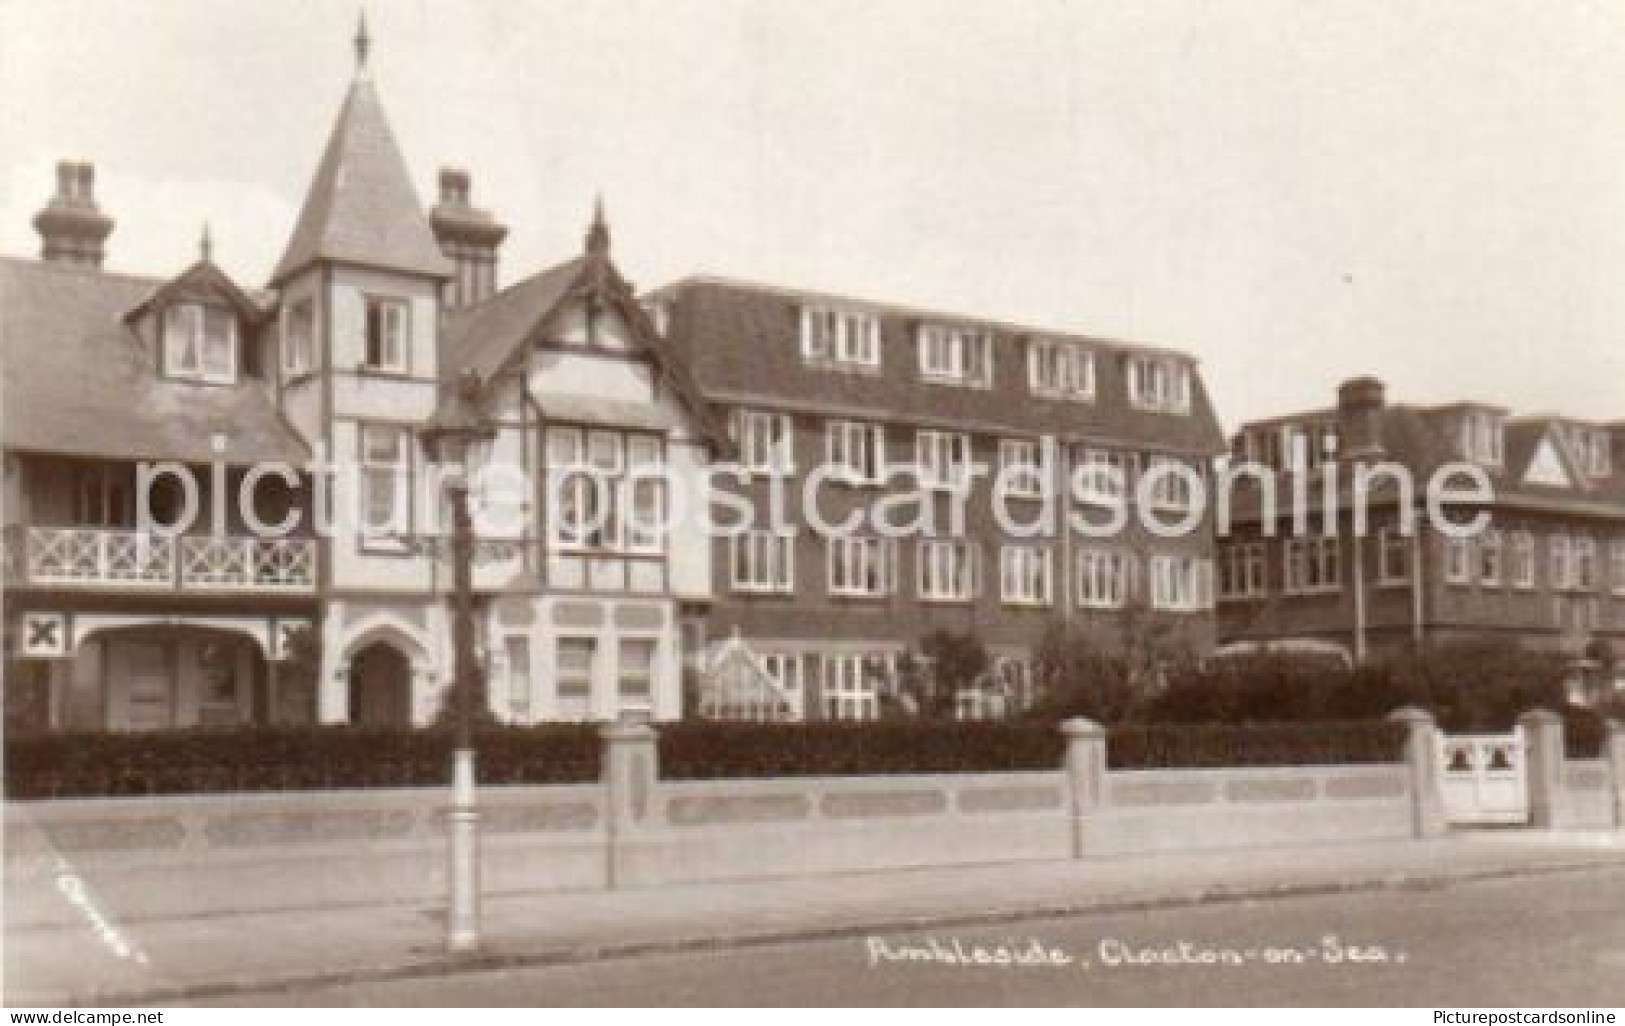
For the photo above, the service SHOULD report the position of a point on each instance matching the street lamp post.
(449, 440)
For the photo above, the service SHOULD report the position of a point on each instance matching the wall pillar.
(1614, 752)
(1085, 765)
(1543, 765)
(630, 774)
(1422, 759)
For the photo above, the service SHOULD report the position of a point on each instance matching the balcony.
(93, 557)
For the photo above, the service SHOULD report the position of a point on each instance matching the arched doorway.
(380, 687)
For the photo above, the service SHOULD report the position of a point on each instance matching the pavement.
(231, 957)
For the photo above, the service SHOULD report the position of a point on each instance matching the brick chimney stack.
(72, 228)
(1360, 403)
(469, 238)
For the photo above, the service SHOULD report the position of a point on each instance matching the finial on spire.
(205, 245)
(598, 233)
(363, 43)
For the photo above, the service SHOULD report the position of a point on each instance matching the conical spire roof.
(361, 207)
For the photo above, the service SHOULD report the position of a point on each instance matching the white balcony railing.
(102, 557)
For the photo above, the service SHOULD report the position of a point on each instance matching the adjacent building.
(1548, 568)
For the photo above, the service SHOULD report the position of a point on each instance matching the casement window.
(386, 480)
(1616, 566)
(784, 669)
(1025, 577)
(299, 337)
(1312, 565)
(1592, 451)
(857, 448)
(1162, 384)
(1559, 556)
(862, 567)
(949, 571)
(644, 495)
(1458, 560)
(573, 670)
(943, 458)
(1306, 447)
(1106, 476)
(1491, 557)
(1583, 564)
(1260, 447)
(761, 561)
(956, 356)
(1102, 578)
(1523, 559)
(1241, 570)
(766, 441)
(1171, 489)
(1481, 434)
(388, 334)
(635, 671)
(517, 649)
(1060, 370)
(1021, 463)
(1181, 584)
(1393, 557)
(200, 343)
(610, 488)
(841, 337)
(852, 683)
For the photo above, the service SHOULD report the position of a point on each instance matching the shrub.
(97, 764)
(1277, 744)
(698, 750)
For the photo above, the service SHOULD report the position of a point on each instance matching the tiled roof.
(77, 380)
(741, 342)
(361, 207)
(485, 336)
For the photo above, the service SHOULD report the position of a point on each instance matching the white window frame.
(1458, 560)
(565, 681)
(521, 698)
(634, 698)
(1560, 555)
(1392, 542)
(1181, 583)
(1241, 570)
(766, 441)
(395, 334)
(1583, 574)
(185, 330)
(299, 343)
(1490, 558)
(831, 336)
(1103, 577)
(1521, 569)
(943, 458)
(1021, 465)
(849, 690)
(1616, 566)
(1173, 492)
(1026, 575)
(762, 562)
(373, 471)
(1482, 437)
(955, 356)
(1104, 476)
(948, 570)
(1161, 384)
(861, 567)
(858, 448)
(1058, 369)
(1312, 566)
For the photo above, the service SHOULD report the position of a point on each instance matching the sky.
(1296, 193)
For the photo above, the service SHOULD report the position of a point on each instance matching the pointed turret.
(361, 207)
(598, 231)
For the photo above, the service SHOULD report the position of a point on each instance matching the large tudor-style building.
(307, 396)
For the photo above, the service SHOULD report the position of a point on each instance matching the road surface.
(1556, 939)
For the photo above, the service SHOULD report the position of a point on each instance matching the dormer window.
(1060, 370)
(840, 337)
(1591, 450)
(1158, 383)
(956, 356)
(200, 343)
(1481, 437)
(386, 334)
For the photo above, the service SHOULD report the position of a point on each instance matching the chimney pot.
(1360, 403)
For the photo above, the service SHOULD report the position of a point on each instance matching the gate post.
(1422, 759)
(1543, 765)
(630, 773)
(1085, 765)
(1615, 753)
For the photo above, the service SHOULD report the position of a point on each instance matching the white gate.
(1482, 778)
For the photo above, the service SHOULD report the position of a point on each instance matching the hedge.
(1276, 744)
(698, 750)
(97, 764)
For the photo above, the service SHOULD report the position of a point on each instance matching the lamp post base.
(463, 912)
